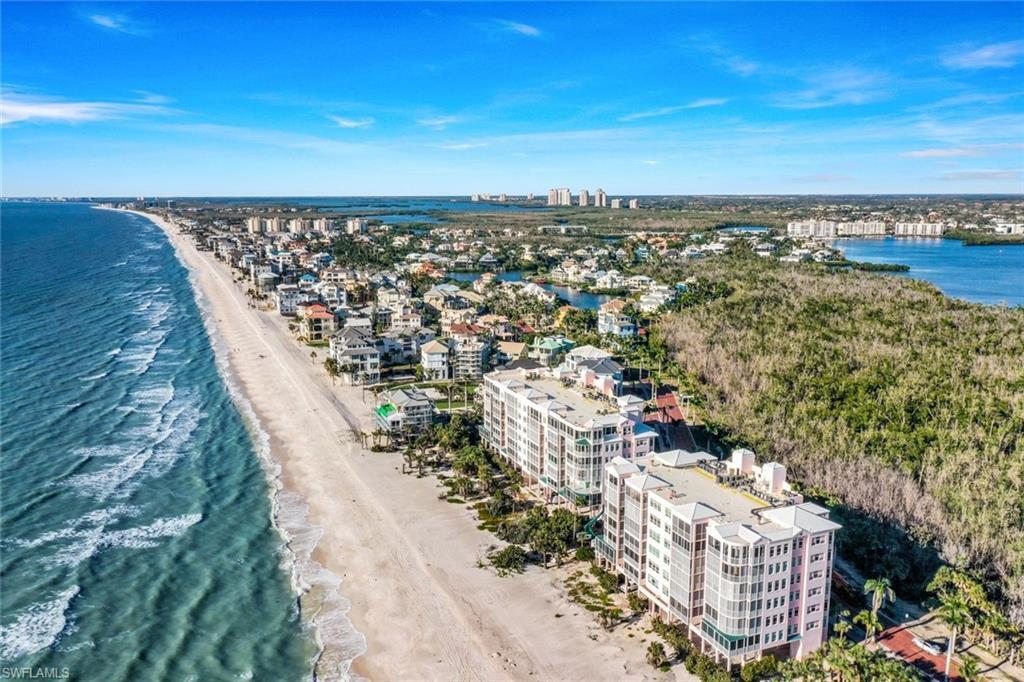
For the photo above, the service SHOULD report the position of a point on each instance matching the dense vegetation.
(905, 407)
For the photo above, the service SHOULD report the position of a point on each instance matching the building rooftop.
(573, 406)
(690, 484)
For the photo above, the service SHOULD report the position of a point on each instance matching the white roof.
(808, 516)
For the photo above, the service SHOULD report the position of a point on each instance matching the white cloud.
(941, 153)
(16, 107)
(732, 61)
(147, 97)
(836, 87)
(117, 22)
(996, 55)
(460, 146)
(982, 175)
(650, 162)
(343, 122)
(665, 111)
(519, 28)
(438, 122)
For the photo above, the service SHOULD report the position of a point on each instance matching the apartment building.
(825, 229)
(918, 229)
(726, 548)
(861, 229)
(559, 438)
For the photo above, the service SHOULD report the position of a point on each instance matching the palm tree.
(881, 591)
(970, 670)
(656, 654)
(869, 619)
(955, 614)
(842, 626)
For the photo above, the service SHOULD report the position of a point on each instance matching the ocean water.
(136, 521)
(988, 274)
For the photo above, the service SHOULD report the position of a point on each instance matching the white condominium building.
(355, 226)
(558, 437)
(584, 197)
(918, 229)
(254, 224)
(600, 198)
(861, 229)
(812, 228)
(725, 548)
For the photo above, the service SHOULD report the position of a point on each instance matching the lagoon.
(576, 298)
(981, 274)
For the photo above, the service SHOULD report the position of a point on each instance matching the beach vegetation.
(508, 560)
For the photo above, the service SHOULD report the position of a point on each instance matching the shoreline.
(404, 562)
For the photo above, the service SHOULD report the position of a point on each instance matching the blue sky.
(431, 98)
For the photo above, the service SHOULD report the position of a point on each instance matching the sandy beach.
(407, 561)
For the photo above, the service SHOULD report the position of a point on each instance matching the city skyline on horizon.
(437, 99)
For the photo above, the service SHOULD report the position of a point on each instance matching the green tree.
(656, 654)
(970, 670)
(881, 591)
(637, 603)
(869, 620)
(511, 559)
(955, 614)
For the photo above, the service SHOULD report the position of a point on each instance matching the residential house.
(404, 413)
(611, 319)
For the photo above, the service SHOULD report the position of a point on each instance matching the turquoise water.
(137, 540)
(981, 274)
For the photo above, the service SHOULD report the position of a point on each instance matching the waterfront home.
(435, 360)
(287, 298)
(356, 354)
(557, 437)
(404, 413)
(727, 549)
(612, 279)
(611, 319)
(548, 350)
(315, 322)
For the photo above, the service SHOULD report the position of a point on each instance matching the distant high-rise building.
(529, 197)
(600, 198)
(552, 197)
(634, 203)
(474, 197)
(502, 197)
(254, 224)
(355, 225)
(323, 225)
(274, 225)
(616, 203)
(565, 197)
(584, 197)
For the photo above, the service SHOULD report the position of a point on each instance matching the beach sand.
(407, 561)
